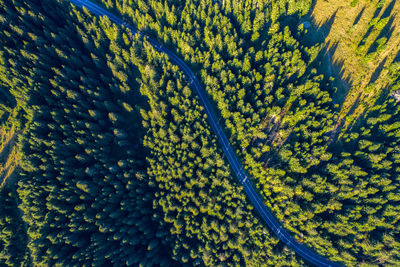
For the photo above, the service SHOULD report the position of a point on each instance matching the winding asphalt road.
(264, 212)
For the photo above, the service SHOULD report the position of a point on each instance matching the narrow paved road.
(264, 212)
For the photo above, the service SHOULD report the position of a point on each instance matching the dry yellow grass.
(350, 38)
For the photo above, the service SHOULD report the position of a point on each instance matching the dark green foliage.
(276, 107)
(89, 194)
(122, 170)
(203, 207)
(13, 237)
(365, 186)
(83, 188)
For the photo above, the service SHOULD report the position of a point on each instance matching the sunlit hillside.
(363, 37)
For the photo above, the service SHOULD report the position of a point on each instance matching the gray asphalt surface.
(237, 168)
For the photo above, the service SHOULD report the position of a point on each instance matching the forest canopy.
(107, 157)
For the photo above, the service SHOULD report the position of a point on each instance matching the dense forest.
(118, 165)
(281, 116)
(103, 180)
(13, 236)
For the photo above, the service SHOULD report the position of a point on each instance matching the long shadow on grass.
(365, 37)
(397, 57)
(326, 27)
(333, 71)
(377, 71)
(359, 16)
(386, 32)
(340, 84)
(376, 13)
(388, 9)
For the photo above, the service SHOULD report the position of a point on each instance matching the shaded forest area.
(119, 165)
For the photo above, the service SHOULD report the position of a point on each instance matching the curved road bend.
(264, 212)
